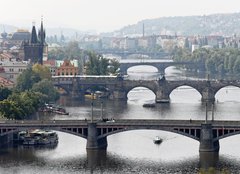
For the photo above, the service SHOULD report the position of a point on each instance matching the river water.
(134, 151)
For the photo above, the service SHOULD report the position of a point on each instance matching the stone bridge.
(118, 87)
(96, 132)
(125, 54)
(160, 64)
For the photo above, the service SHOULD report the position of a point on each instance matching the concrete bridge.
(118, 87)
(96, 132)
(160, 64)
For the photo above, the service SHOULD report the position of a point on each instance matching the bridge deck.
(122, 122)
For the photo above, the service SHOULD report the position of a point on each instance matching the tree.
(114, 63)
(72, 50)
(26, 80)
(42, 71)
(236, 67)
(186, 43)
(4, 93)
(97, 64)
(10, 110)
(46, 88)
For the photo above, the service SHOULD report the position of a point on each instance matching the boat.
(149, 105)
(38, 137)
(90, 96)
(157, 140)
(52, 108)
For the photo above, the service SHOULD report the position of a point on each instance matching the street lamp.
(101, 110)
(213, 111)
(92, 94)
(206, 112)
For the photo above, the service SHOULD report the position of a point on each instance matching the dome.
(21, 35)
(4, 35)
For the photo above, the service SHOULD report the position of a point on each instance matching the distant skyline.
(104, 15)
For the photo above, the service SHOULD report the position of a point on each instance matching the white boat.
(157, 140)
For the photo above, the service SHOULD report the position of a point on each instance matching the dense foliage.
(32, 90)
(214, 61)
(98, 65)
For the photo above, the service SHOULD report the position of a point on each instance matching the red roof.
(5, 82)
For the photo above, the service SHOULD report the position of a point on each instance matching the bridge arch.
(228, 91)
(145, 86)
(160, 67)
(183, 88)
(185, 132)
(73, 131)
(62, 89)
(228, 134)
(142, 69)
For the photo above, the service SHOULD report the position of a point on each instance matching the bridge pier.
(208, 96)
(161, 97)
(6, 139)
(207, 142)
(93, 142)
(117, 94)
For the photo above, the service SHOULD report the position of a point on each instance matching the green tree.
(236, 67)
(114, 64)
(26, 80)
(46, 88)
(10, 110)
(97, 65)
(4, 93)
(42, 71)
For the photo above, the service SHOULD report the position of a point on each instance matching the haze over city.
(104, 15)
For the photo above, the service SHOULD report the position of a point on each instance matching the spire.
(41, 33)
(34, 34)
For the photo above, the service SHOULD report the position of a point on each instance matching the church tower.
(36, 47)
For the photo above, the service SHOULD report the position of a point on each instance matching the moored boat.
(38, 137)
(52, 108)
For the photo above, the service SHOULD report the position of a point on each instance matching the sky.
(104, 15)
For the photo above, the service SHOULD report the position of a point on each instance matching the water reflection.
(208, 160)
(96, 159)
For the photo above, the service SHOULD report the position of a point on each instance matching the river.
(134, 151)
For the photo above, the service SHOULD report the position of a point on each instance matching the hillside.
(222, 24)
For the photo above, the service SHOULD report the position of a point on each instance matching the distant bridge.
(125, 54)
(118, 87)
(96, 132)
(160, 64)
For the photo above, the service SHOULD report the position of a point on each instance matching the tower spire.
(34, 34)
(41, 33)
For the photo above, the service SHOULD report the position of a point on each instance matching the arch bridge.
(119, 87)
(127, 53)
(96, 132)
(160, 64)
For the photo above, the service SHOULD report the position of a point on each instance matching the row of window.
(66, 74)
(19, 70)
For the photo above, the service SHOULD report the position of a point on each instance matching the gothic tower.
(35, 48)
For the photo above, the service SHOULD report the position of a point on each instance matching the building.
(35, 49)
(67, 68)
(13, 68)
(51, 64)
(19, 36)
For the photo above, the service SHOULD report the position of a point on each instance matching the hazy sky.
(104, 15)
